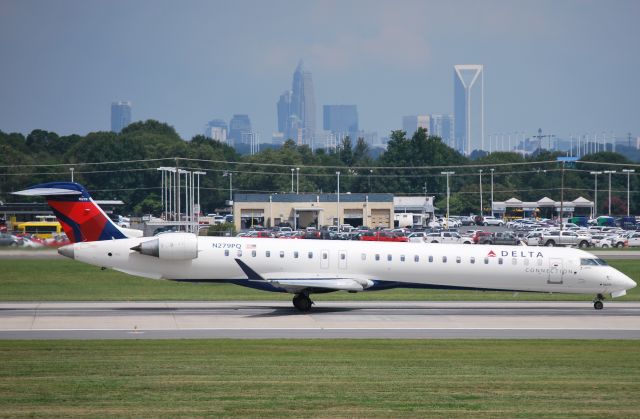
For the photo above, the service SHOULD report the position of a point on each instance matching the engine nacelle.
(170, 246)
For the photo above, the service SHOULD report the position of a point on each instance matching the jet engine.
(170, 246)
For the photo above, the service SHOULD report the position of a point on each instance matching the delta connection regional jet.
(304, 267)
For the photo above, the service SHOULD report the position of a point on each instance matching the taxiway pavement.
(346, 319)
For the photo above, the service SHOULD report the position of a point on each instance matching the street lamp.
(292, 170)
(230, 174)
(370, 173)
(480, 171)
(197, 209)
(609, 172)
(492, 170)
(628, 172)
(595, 193)
(447, 175)
(297, 180)
(71, 169)
(338, 201)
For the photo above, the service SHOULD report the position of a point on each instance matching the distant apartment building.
(340, 119)
(411, 123)
(468, 104)
(216, 129)
(240, 124)
(120, 115)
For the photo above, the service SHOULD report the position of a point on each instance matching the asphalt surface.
(355, 320)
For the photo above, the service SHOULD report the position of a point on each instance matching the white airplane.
(304, 267)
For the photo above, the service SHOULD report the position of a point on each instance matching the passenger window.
(389, 258)
(444, 259)
(253, 253)
(499, 261)
(430, 259)
(458, 259)
(343, 256)
(486, 261)
(226, 252)
(268, 253)
(363, 256)
(472, 260)
(239, 253)
(539, 262)
(377, 256)
(401, 258)
(526, 262)
(281, 253)
(416, 258)
(514, 261)
(325, 256)
(310, 255)
(295, 255)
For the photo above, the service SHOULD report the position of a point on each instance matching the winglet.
(251, 274)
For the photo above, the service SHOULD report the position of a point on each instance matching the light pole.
(297, 180)
(595, 193)
(628, 172)
(230, 174)
(609, 172)
(338, 201)
(447, 218)
(197, 209)
(480, 171)
(71, 169)
(492, 170)
(370, 173)
(292, 170)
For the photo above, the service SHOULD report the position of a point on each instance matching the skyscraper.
(240, 124)
(442, 126)
(297, 108)
(468, 111)
(120, 115)
(216, 129)
(411, 123)
(340, 119)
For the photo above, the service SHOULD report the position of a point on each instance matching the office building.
(442, 126)
(468, 102)
(239, 124)
(217, 130)
(340, 119)
(297, 109)
(120, 115)
(411, 123)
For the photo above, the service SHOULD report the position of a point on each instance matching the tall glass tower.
(120, 115)
(303, 103)
(468, 111)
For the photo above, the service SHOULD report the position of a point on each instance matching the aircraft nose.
(67, 251)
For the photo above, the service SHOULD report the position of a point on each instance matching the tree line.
(124, 167)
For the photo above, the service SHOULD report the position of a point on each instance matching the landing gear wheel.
(597, 302)
(302, 302)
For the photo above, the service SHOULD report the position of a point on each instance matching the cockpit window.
(592, 262)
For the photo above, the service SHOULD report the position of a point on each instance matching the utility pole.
(446, 223)
(338, 201)
(609, 172)
(595, 194)
(628, 172)
(481, 211)
(492, 170)
(297, 180)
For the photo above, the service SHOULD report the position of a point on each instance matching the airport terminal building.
(304, 210)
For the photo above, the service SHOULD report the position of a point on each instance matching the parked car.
(505, 238)
(565, 238)
(490, 220)
(382, 236)
(7, 239)
(482, 237)
(633, 239)
(533, 238)
(447, 237)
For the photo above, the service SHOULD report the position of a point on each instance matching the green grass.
(320, 378)
(66, 280)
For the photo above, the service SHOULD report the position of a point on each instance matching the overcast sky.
(563, 66)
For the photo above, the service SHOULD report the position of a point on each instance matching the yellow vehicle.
(41, 229)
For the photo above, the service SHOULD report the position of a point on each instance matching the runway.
(348, 319)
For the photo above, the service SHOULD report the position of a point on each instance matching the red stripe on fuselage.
(89, 218)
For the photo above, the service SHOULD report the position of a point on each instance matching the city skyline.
(545, 65)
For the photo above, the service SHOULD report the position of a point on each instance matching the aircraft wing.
(301, 282)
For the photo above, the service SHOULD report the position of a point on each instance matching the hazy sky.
(564, 66)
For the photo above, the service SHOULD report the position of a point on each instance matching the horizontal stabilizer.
(46, 192)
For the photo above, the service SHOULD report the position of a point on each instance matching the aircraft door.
(556, 271)
(342, 259)
(324, 259)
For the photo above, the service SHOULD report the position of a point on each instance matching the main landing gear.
(597, 302)
(302, 302)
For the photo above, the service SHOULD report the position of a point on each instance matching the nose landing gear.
(597, 302)
(302, 302)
